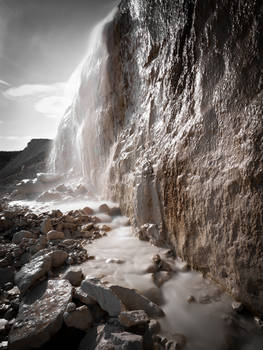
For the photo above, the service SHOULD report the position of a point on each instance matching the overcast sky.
(41, 43)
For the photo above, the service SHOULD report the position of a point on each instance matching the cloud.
(48, 100)
(52, 106)
(34, 91)
(3, 82)
(1, 122)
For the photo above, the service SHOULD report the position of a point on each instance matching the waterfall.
(78, 151)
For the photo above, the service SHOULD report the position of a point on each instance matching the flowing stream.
(208, 322)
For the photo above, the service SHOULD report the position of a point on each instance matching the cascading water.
(78, 150)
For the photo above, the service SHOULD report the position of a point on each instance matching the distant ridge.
(24, 164)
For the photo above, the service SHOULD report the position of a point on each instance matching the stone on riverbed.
(74, 276)
(135, 301)
(107, 300)
(133, 318)
(114, 299)
(40, 315)
(31, 272)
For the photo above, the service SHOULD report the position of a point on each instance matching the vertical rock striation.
(186, 131)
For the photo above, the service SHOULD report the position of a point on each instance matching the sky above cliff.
(41, 43)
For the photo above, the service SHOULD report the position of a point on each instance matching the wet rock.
(114, 211)
(159, 278)
(133, 318)
(135, 301)
(18, 236)
(81, 318)
(30, 273)
(74, 277)
(237, 306)
(79, 294)
(58, 257)
(3, 325)
(127, 341)
(88, 211)
(4, 345)
(104, 296)
(71, 307)
(154, 327)
(191, 299)
(40, 315)
(53, 234)
(46, 226)
(104, 208)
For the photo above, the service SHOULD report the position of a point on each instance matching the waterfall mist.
(78, 152)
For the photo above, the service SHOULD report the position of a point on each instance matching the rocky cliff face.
(185, 128)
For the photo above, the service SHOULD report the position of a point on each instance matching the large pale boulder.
(31, 272)
(135, 301)
(107, 299)
(114, 299)
(40, 315)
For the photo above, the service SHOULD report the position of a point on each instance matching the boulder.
(81, 318)
(46, 226)
(133, 318)
(127, 341)
(53, 234)
(103, 294)
(83, 297)
(135, 301)
(74, 276)
(58, 257)
(104, 208)
(88, 211)
(18, 236)
(40, 315)
(31, 272)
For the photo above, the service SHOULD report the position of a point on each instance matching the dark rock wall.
(186, 131)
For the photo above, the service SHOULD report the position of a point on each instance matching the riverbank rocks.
(74, 277)
(46, 226)
(32, 272)
(80, 318)
(135, 301)
(18, 236)
(133, 318)
(114, 299)
(40, 315)
(53, 234)
(109, 337)
(103, 294)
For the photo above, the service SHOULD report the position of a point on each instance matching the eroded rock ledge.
(185, 127)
